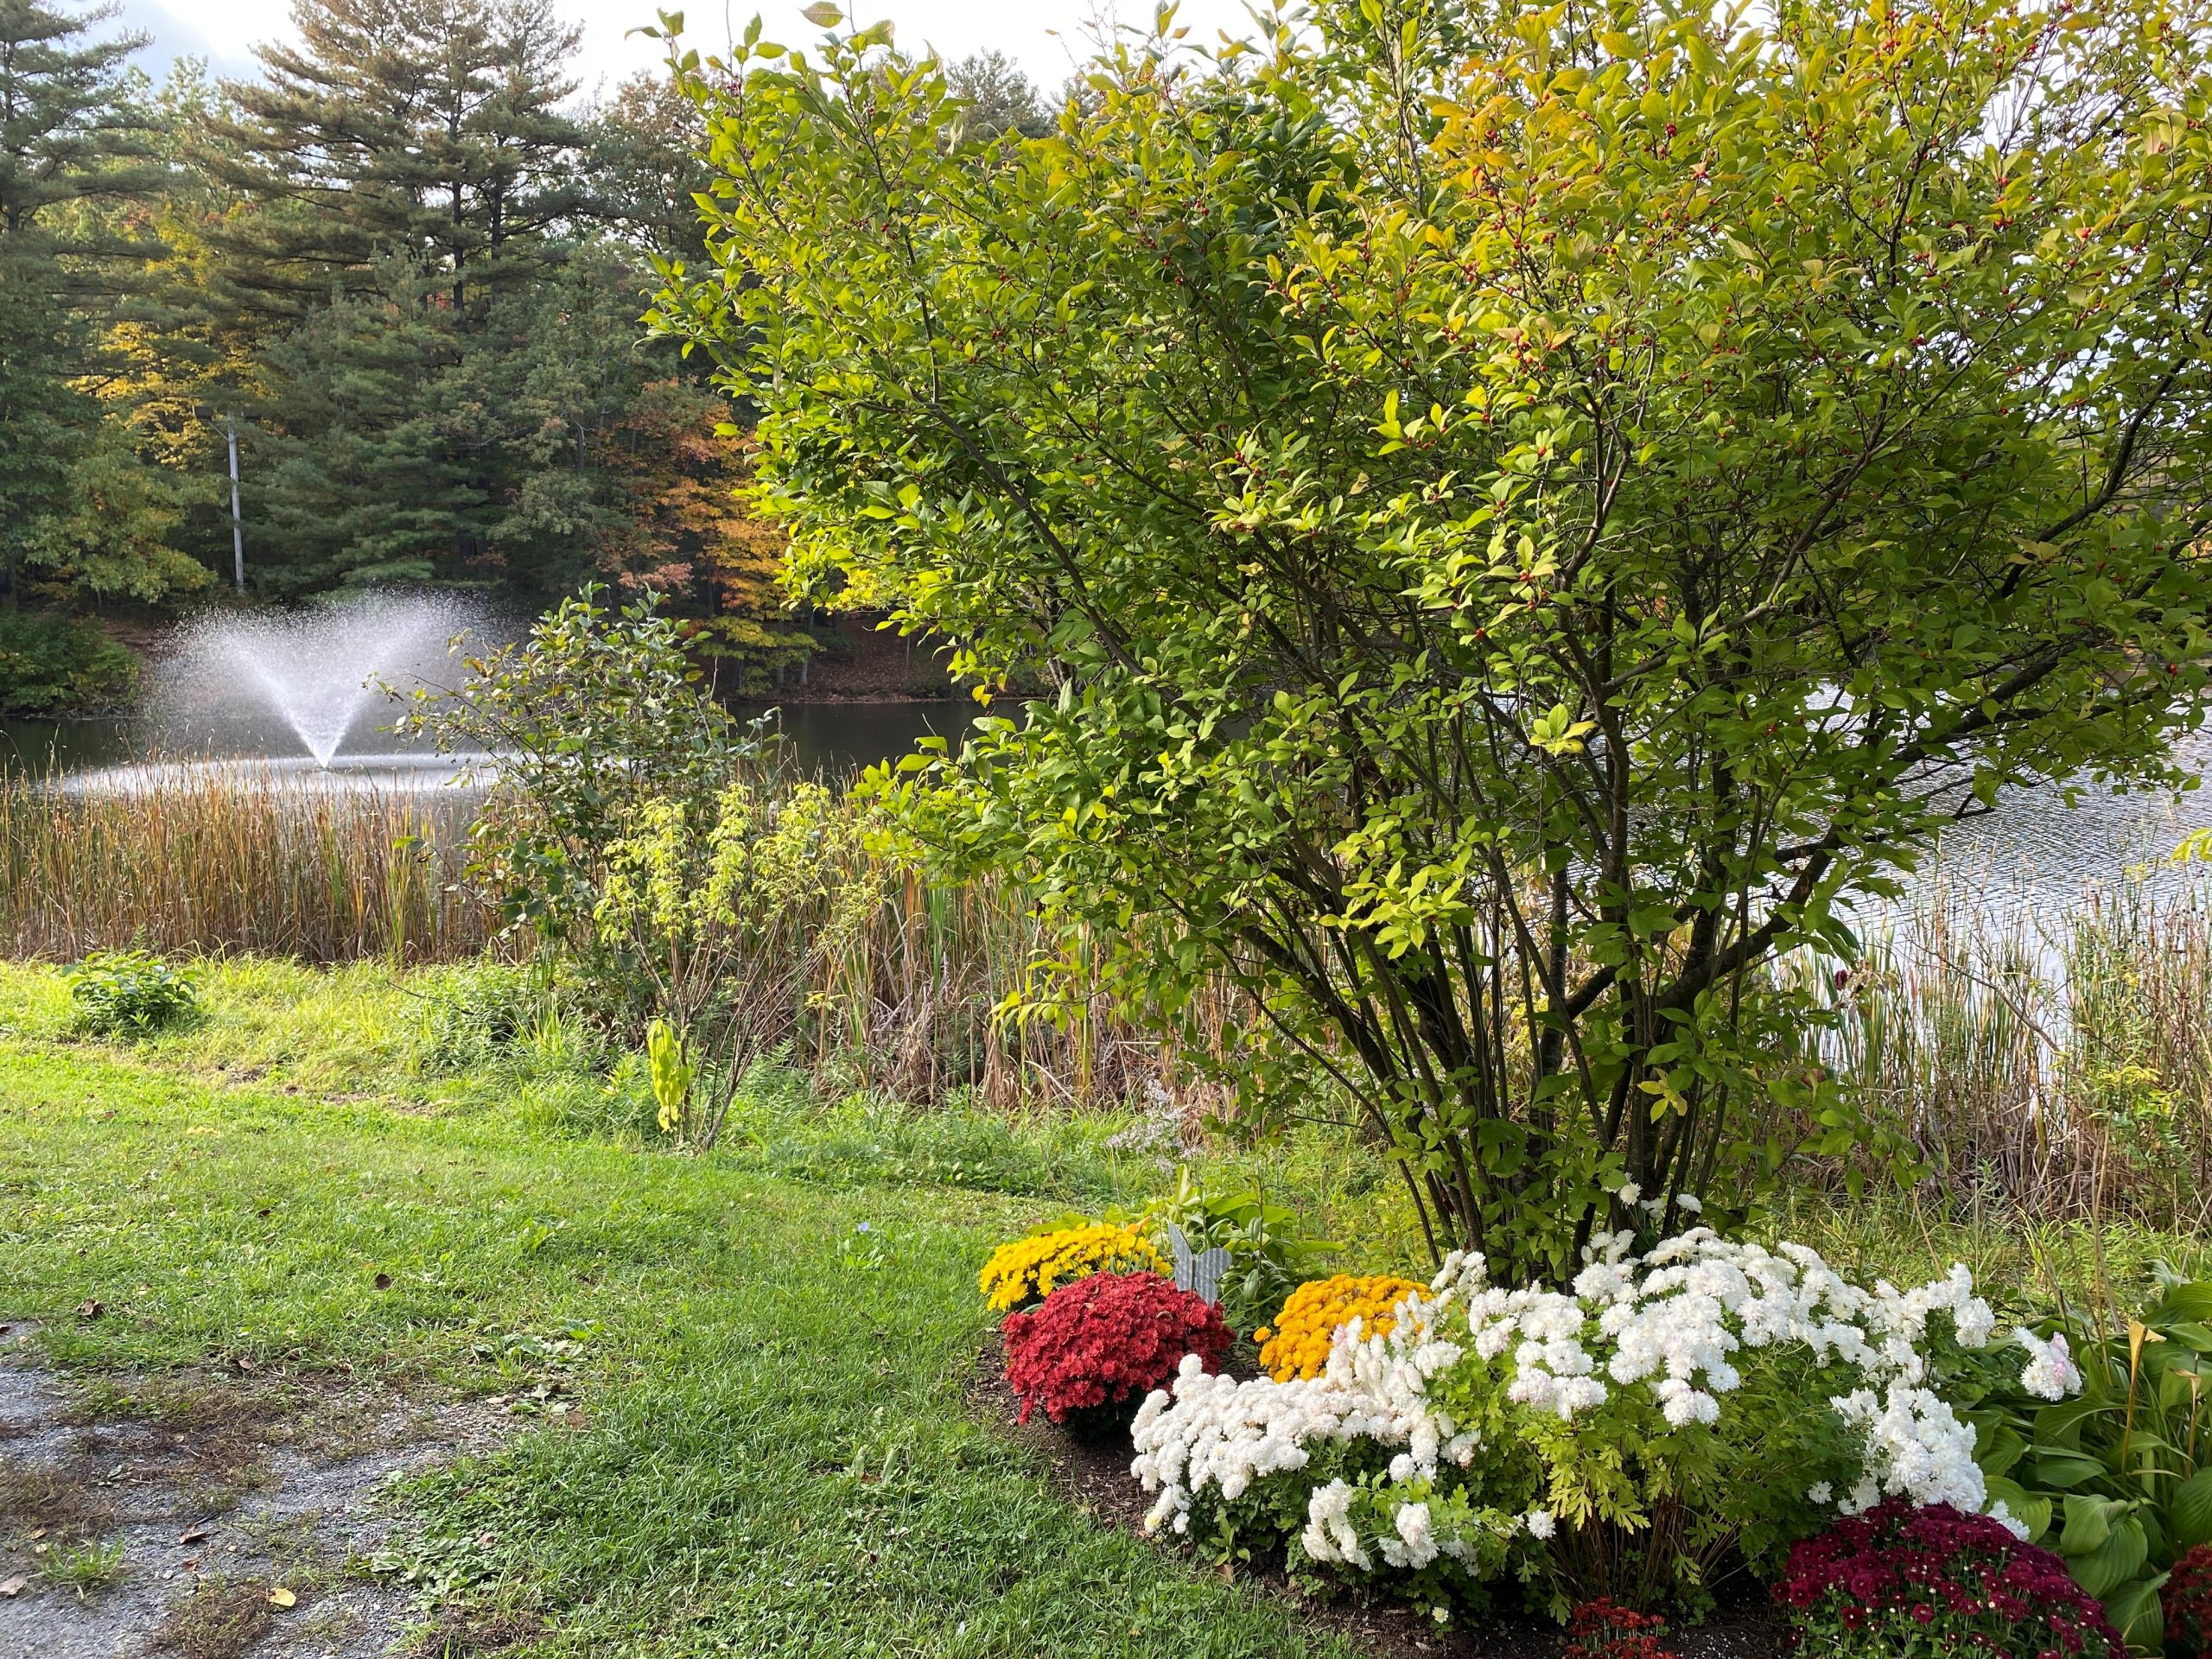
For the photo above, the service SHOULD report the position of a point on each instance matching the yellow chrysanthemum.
(1029, 1269)
(1298, 1344)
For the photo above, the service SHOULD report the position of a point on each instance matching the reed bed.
(911, 1007)
(218, 859)
(2063, 1072)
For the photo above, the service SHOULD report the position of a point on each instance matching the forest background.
(406, 264)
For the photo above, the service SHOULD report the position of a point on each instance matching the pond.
(2025, 867)
(837, 739)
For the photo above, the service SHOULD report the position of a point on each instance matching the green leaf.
(2089, 1525)
(822, 15)
(2061, 1470)
(2112, 1564)
(2188, 1511)
(2000, 1450)
(2135, 1611)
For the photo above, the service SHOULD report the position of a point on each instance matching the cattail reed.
(233, 859)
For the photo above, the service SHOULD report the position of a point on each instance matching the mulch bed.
(1097, 1479)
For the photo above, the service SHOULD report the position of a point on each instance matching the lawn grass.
(349, 1171)
(776, 1456)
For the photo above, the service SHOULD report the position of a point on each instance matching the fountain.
(300, 693)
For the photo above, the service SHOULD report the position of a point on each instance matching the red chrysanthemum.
(1604, 1630)
(2188, 1602)
(1107, 1341)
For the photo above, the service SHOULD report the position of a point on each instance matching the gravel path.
(207, 1516)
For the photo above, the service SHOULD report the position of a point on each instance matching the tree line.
(404, 267)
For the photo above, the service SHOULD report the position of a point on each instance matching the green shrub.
(53, 664)
(130, 993)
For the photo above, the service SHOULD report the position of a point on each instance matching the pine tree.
(644, 168)
(358, 478)
(425, 128)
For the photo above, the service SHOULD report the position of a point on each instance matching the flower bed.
(1498, 1434)
(1668, 1417)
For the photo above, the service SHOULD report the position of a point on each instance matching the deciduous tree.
(1524, 515)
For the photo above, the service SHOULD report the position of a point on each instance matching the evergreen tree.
(69, 131)
(427, 128)
(359, 479)
(644, 168)
(78, 514)
(998, 97)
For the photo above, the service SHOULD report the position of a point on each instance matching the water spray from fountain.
(303, 690)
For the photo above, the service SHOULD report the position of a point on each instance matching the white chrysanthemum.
(1541, 1523)
(1415, 1544)
(1330, 1535)
(1916, 1448)
(2051, 1373)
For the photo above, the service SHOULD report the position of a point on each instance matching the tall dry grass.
(233, 859)
(2064, 1071)
(910, 1007)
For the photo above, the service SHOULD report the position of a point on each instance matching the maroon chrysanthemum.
(1899, 1568)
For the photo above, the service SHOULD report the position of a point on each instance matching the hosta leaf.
(1998, 1451)
(2188, 1511)
(2061, 1470)
(2190, 1301)
(2135, 1611)
(2089, 1525)
(2118, 1559)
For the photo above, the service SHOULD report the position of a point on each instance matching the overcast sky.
(225, 32)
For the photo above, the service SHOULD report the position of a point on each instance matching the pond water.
(837, 739)
(2025, 867)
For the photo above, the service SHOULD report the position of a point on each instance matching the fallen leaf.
(90, 1308)
(12, 1587)
(192, 1535)
(280, 1597)
(37, 1532)
(383, 1281)
(242, 1362)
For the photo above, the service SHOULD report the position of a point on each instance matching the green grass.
(776, 1456)
(86, 1569)
(739, 1371)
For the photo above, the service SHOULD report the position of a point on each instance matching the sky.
(225, 32)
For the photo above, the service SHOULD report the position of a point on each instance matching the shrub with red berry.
(1906, 1583)
(1090, 1351)
(1605, 1629)
(2187, 1600)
